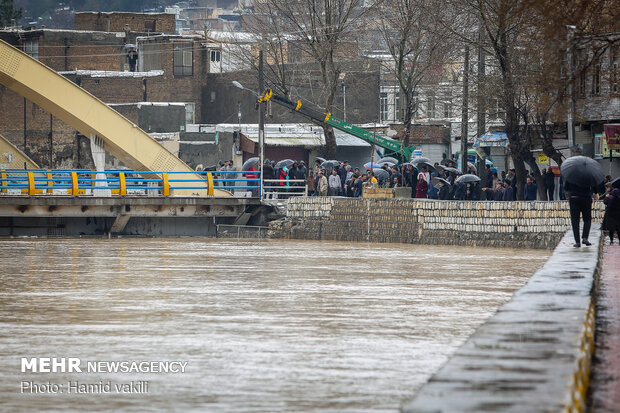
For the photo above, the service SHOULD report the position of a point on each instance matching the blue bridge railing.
(124, 182)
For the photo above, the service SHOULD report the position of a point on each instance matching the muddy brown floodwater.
(271, 326)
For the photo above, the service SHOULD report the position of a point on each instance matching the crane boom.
(326, 118)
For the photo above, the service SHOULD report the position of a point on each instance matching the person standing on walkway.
(509, 194)
(549, 179)
(335, 184)
(530, 190)
(612, 214)
(422, 186)
(580, 203)
(322, 184)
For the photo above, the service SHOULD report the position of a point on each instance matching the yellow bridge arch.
(91, 117)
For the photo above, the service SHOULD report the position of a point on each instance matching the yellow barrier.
(581, 377)
(165, 191)
(31, 188)
(210, 184)
(3, 181)
(123, 187)
(75, 188)
(50, 183)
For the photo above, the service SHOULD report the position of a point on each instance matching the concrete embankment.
(534, 354)
(520, 224)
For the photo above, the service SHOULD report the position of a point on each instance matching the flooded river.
(272, 326)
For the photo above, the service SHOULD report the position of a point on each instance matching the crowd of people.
(438, 181)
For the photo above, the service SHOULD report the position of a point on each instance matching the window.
(447, 108)
(397, 112)
(582, 83)
(183, 56)
(383, 106)
(190, 111)
(31, 48)
(430, 107)
(216, 55)
(149, 25)
(596, 78)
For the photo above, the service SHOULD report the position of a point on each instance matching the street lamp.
(261, 133)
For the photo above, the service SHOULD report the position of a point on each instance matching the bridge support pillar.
(119, 224)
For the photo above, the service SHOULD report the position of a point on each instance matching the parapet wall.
(519, 224)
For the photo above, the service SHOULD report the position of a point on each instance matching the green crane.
(327, 118)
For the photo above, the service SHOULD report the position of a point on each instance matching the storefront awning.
(491, 139)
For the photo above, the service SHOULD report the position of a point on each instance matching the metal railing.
(122, 182)
(284, 188)
(240, 231)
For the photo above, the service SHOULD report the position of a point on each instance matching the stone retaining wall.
(519, 224)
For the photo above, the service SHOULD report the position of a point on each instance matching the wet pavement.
(605, 382)
(534, 354)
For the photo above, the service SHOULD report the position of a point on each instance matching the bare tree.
(324, 31)
(415, 46)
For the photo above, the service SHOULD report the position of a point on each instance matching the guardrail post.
(165, 185)
(3, 181)
(50, 182)
(31, 186)
(75, 187)
(123, 188)
(209, 183)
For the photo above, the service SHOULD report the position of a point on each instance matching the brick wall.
(116, 21)
(494, 224)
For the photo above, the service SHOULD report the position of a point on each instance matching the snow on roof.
(283, 134)
(110, 73)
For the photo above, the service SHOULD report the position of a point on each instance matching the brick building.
(122, 21)
(170, 68)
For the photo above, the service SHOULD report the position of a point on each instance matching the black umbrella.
(284, 162)
(249, 163)
(582, 171)
(453, 170)
(615, 183)
(318, 158)
(467, 178)
(381, 174)
(420, 159)
(430, 167)
(439, 181)
(440, 168)
(446, 162)
(388, 159)
(388, 163)
(330, 164)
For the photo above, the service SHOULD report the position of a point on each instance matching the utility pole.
(481, 101)
(261, 120)
(570, 122)
(465, 111)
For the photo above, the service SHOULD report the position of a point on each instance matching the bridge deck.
(139, 206)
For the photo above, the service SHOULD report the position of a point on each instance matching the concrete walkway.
(534, 354)
(605, 384)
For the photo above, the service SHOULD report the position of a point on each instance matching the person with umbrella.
(582, 176)
(612, 214)
(422, 186)
(268, 173)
